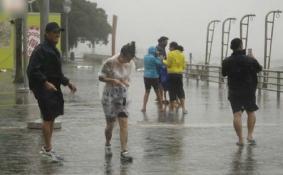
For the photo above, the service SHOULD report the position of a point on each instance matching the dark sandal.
(251, 142)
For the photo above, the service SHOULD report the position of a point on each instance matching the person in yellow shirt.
(176, 64)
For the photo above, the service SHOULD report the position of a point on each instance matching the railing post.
(187, 72)
(265, 79)
(207, 72)
(197, 74)
(259, 85)
(221, 79)
(278, 84)
(201, 72)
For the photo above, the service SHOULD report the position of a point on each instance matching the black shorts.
(176, 89)
(241, 102)
(51, 103)
(151, 82)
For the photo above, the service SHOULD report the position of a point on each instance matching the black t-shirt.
(242, 72)
(161, 52)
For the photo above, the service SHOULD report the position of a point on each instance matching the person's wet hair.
(236, 43)
(180, 48)
(163, 38)
(129, 49)
(174, 45)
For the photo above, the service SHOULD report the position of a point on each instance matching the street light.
(223, 43)
(242, 24)
(209, 39)
(269, 23)
(268, 38)
(67, 9)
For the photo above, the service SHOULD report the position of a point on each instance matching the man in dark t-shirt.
(242, 82)
(161, 53)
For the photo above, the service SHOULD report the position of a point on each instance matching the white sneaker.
(108, 151)
(51, 154)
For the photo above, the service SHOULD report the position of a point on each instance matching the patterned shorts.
(114, 101)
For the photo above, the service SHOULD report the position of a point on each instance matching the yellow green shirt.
(175, 62)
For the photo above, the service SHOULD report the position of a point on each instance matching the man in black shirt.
(161, 53)
(161, 47)
(45, 78)
(242, 83)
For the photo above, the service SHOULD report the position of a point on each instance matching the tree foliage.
(87, 22)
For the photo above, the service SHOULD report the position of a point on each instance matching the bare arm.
(111, 81)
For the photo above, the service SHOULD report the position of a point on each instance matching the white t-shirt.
(112, 68)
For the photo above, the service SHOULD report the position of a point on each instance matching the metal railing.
(269, 80)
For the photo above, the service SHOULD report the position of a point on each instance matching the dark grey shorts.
(243, 102)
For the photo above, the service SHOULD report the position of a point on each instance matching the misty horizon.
(186, 21)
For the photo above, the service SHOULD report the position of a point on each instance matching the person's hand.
(125, 82)
(72, 87)
(49, 86)
(117, 82)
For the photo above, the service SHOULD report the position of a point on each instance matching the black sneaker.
(125, 157)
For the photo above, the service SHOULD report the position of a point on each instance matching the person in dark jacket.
(45, 78)
(242, 83)
(163, 76)
(161, 47)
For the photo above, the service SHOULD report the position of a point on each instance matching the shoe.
(125, 157)
(51, 154)
(251, 142)
(108, 151)
(240, 144)
(185, 112)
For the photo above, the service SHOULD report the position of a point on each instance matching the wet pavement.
(201, 142)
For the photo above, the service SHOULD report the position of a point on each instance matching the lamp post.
(114, 29)
(44, 14)
(17, 10)
(209, 39)
(268, 38)
(67, 9)
(267, 49)
(245, 21)
(227, 32)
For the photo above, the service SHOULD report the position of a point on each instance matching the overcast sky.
(185, 21)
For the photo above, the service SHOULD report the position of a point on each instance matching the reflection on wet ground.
(201, 142)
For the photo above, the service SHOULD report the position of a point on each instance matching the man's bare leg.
(251, 124)
(238, 126)
(47, 134)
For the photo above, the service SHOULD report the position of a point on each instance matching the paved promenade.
(199, 143)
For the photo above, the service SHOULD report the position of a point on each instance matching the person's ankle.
(250, 138)
(47, 149)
